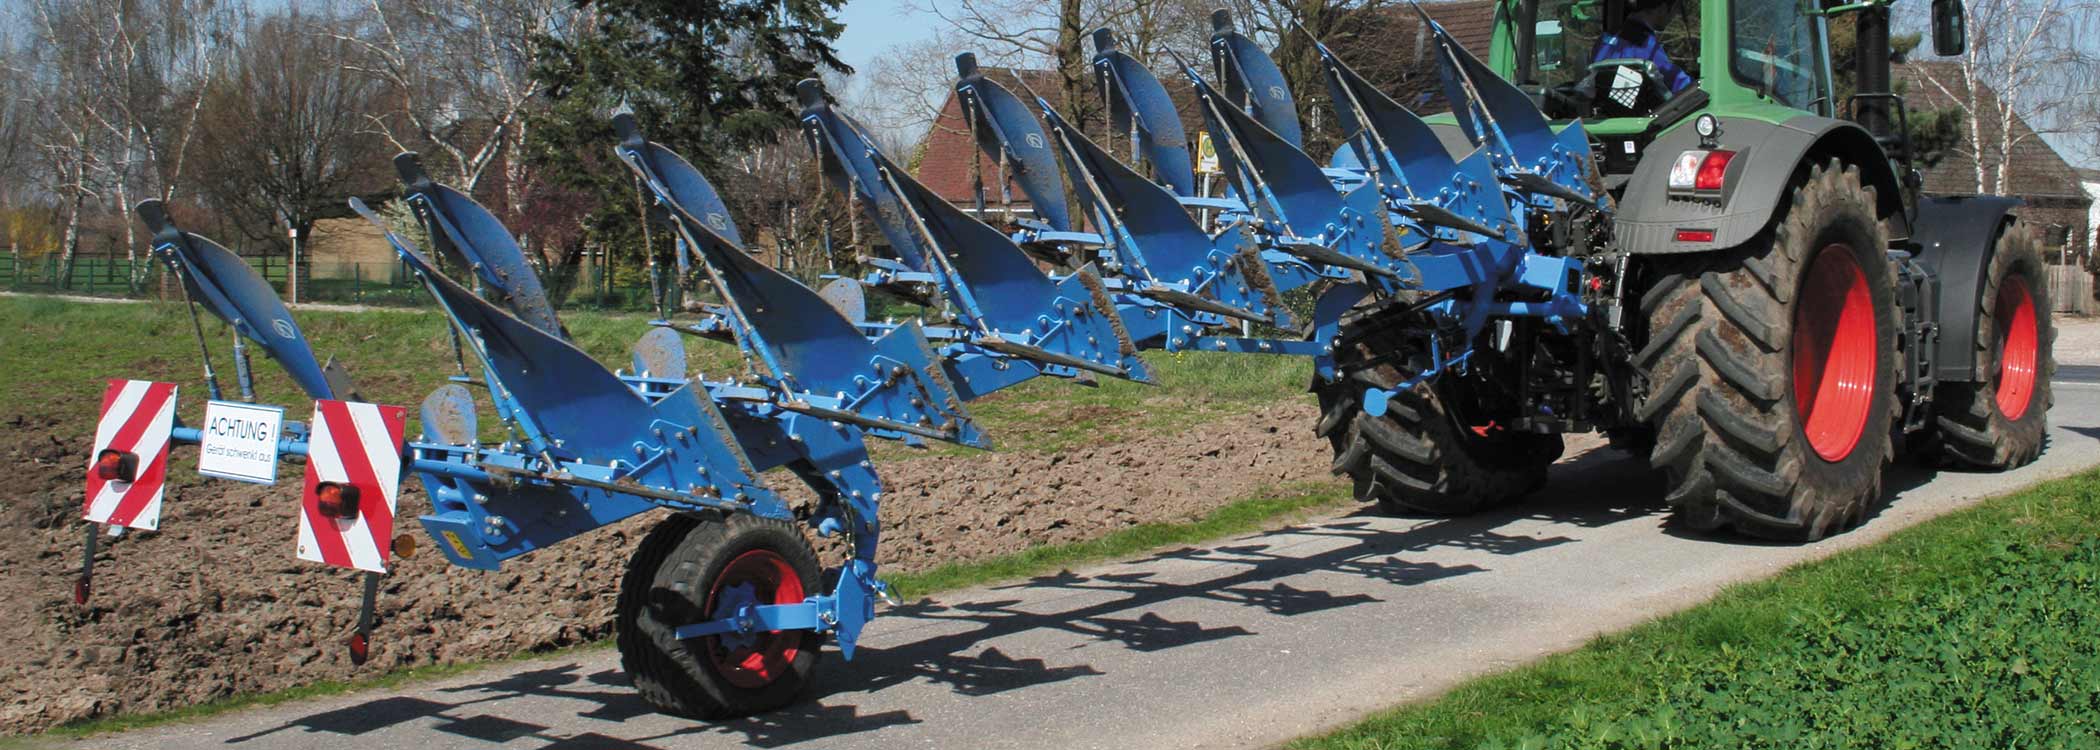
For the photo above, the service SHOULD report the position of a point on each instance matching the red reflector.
(1712, 170)
(360, 650)
(336, 500)
(116, 466)
(1695, 235)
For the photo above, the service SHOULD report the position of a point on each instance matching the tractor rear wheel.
(1999, 421)
(1771, 369)
(1420, 457)
(691, 570)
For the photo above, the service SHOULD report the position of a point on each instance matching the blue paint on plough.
(1139, 261)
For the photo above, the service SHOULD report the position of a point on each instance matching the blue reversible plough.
(726, 603)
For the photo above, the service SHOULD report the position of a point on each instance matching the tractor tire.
(1771, 369)
(1417, 459)
(689, 570)
(1999, 422)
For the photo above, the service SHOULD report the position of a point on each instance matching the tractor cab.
(1632, 69)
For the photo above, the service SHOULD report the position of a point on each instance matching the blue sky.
(873, 25)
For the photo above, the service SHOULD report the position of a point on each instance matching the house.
(2058, 205)
(2090, 180)
(1392, 49)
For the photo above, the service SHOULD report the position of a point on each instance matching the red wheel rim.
(2019, 346)
(1835, 353)
(759, 576)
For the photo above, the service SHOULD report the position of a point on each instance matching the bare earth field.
(215, 605)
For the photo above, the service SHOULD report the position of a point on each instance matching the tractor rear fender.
(1650, 218)
(1955, 236)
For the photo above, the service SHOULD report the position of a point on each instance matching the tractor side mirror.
(1950, 28)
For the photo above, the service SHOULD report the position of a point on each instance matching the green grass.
(1239, 517)
(1978, 629)
(61, 351)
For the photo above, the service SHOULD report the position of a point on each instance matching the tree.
(2026, 60)
(1276, 24)
(459, 75)
(710, 81)
(284, 130)
(1033, 34)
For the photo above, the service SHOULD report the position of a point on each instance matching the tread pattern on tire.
(1718, 363)
(1971, 431)
(668, 674)
(1415, 459)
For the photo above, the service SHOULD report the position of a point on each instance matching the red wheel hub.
(2019, 346)
(1835, 353)
(757, 577)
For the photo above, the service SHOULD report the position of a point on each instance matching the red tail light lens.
(1713, 170)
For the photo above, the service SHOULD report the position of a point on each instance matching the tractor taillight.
(1695, 235)
(337, 500)
(1712, 170)
(1700, 171)
(116, 466)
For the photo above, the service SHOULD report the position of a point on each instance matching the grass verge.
(1977, 629)
(63, 350)
(1252, 514)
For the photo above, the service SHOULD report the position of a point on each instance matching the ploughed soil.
(215, 604)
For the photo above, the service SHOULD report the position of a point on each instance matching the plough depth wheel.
(1772, 368)
(688, 571)
(1417, 457)
(1998, 422)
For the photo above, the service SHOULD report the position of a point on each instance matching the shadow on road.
(1596, 489)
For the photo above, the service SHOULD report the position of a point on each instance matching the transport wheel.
(1419, 457)
(1771, 369)
(1999, 421)
(691, 569)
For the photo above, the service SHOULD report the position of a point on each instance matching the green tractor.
(1790, 313)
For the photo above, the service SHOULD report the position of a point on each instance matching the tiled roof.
(2035, 170)
(1391, 49)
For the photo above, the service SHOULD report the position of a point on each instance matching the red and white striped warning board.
(353, 475)
(127, 474)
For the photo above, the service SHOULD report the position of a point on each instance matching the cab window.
(1776, 51)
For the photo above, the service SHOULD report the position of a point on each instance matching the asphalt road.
(1248, 642)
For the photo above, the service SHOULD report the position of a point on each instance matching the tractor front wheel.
(690, 570)
(1999, 421)
(1771, 369)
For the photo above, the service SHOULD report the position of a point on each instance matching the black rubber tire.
(1417, 459)
(1720, 376)
(1973, 432)
(666, 585)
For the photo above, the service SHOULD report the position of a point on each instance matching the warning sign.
(1206, 155)
(240, 441)
(125, 478)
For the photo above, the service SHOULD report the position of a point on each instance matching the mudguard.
(1955, 237)
(1757, 181)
